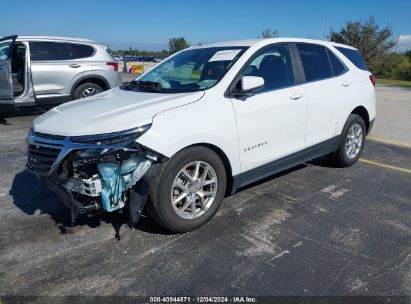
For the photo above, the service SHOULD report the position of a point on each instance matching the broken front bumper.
(89, 173)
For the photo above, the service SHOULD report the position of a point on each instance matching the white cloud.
(404, 43)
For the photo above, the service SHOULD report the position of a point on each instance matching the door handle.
(346, 83)
(75, 65)
(296, 96)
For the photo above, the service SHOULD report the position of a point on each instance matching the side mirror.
(248, 85)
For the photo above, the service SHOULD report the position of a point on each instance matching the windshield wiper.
(141, 85)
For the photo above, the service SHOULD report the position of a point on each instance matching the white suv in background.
(201, 125)
(37, 70)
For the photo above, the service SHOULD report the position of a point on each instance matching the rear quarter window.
(81, 50)
(337, 66)
(354, 56)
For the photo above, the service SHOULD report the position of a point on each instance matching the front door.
(271, 123)
(6, 84)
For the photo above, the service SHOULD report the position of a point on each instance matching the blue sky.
(149, 24)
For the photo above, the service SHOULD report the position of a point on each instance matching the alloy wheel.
(194, 190)
(353, 141)
(90, 92)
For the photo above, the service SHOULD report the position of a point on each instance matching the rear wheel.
(188, 190)
(352, 142)
(86, 90)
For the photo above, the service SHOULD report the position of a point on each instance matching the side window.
(274, 65)
(5, 50)
(337, 66)
(49, 51)
(81, 50)
(315, 61)
(354, 56)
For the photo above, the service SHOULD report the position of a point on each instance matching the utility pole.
(396, 45)
(326, 24)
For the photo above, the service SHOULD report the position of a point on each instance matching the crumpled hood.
(111, 111)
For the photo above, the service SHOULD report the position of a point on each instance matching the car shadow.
(3, 121)
(31, 197)
(324, 161)
(26, 111)
(271, 177)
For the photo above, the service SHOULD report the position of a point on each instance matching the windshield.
(189, 71)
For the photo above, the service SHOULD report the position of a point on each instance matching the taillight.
(114, 65)
(373, 80)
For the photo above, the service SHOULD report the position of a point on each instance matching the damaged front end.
(107, 172)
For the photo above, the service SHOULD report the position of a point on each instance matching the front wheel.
(188, 190)
(352, 142)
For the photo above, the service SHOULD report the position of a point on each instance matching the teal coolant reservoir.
(113, 186)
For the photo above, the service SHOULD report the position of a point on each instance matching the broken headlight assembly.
(103, 144)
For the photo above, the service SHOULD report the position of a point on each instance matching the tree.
(268, 33)
(177, 44)
(397, 66)
(374, 44)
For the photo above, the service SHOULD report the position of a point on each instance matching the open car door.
(6, 84)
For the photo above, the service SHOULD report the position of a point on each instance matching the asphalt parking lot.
(313, 230)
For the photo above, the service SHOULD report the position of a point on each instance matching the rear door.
(327, 85)
(53, 68)
(6, 85)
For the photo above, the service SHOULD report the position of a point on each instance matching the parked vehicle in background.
(39, 70)
(202, 124)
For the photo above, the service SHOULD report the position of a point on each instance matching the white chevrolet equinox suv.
(201, 125)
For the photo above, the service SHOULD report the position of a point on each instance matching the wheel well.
(360, 110)
(226, 162)
(95, 80)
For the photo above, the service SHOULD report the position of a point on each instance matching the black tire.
(340, 157)
(81, 88)
(159, 205)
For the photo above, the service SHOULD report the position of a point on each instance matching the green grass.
(402, 83)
